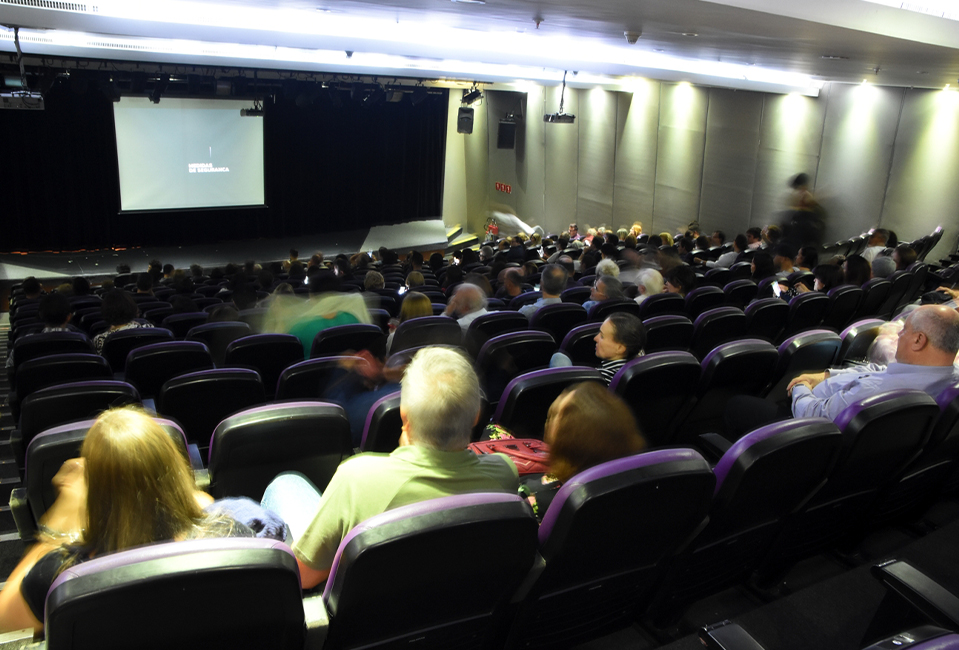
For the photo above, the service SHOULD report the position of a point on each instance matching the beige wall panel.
(506, 166)
(476, 148)
(729, 166)
(790, 143)
(679, 162)
(637, 133)
(923, 191)
(562, 162)
(597, 157)
(857, 148)
(454, 174)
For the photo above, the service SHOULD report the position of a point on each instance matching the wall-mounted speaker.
(506, 136)
(464, 122)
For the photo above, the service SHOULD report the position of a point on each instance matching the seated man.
(468, 304)
(605, 287)
(439, 405)
(925, 357)
(552, 283)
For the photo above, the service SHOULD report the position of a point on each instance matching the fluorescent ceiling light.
(940, 8)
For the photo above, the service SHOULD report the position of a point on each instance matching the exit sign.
(503, 187)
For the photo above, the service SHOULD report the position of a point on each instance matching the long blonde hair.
(140, 488)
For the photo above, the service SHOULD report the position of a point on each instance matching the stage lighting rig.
(560, 117)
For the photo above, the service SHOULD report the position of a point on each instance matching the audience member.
(807, 259)
(120, 312)
(904, 256)
(883, 266)
(754, 238)
(876, 244)
(605, 287)
(144, 284)
(856, 270)
(649, 282)
(621, 338)
(679, 279)
(783, 257)
(552, 284)
(726, 260)
(606, 267)
(762, 266)
(467, 304)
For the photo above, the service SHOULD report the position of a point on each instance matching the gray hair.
(553, 279)
(940, 325)
(612, 287)
(607, 267)
(440, 396)
(473, 296)
(651, 280)
(486, 252)
(883, 266)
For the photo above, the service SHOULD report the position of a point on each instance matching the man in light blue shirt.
(552, 283)
(925, 360)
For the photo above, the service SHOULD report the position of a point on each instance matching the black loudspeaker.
(506, 137)
(464, 123)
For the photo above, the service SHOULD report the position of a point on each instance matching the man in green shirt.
(439, 404)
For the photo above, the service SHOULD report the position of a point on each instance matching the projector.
(22, 101)
(251, 112)
(559, 118)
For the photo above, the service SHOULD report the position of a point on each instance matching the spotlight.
(472, 96)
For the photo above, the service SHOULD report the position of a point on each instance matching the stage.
(49, 266)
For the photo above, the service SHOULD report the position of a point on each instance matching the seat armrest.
(317, 620)
(727, 636)
(713, 445)
(202, 479)
(19, 640)
(20, 509)
(16, 446)
(196, 460)
(539, 563)
(924, 594)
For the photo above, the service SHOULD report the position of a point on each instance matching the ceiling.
(737, 43)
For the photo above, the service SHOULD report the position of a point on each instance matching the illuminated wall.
(666, 154)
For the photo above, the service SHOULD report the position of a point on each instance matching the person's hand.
(70, 480)
(953, 293)
(802, 288)
(368, 366)
(810, 380)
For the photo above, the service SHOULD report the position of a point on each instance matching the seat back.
(428, 330)
(508, 355)
(874, 295)
(577, 295)
(197, 589)
(671, 487)
(810, 351)
(524, 404)
(218, 336)
(268, 354)
(558, 319)
(181, 324)
(766, 318)
(660, 304)
(41, 345)
(702, 299)
(151, 366)
(199, 401)
(806, 311)
(485, 327)
(308, 379)
(715, 327)
(740, 293)
(856, 340)
(900, 284)
(579, 345)
(118, 345)
(340, 338)
(523, 299)
(409, 554)
(740, 271)
(250, 448)
(919, 272)
(843, 303)
(58, 369)
(658, 387)
(383, 425)
(599, 313)
(718, 277)
(668, 332)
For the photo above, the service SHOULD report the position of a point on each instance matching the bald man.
(925, 358)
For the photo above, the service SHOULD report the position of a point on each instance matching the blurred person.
(876, 244)
(649, 282)
(856, 270)
(680, 280)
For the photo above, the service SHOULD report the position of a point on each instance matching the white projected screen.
(188, 153)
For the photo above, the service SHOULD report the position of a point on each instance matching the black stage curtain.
(328, 168)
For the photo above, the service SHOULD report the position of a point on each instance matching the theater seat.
(662, 303)
(856, 340)
(118, 345)
(250, 448)
(218, 336)
(702, 299)
(874, 295)
(810, 351)
(41, 345)
(428, 330)
(577, 295)
(806, 312)
(383, 426)
(485, 327)
(526, 400)
(766, 318)
(668, 332)
(717, 326)
(740, 293)
(150, 366)
(55, 369)
(843, 303)
(601, 568)
(508, 355)
(200, 592)
(341, 338)
(600, 312)
(580, 346)
(900, 281)
(180, 324)
(268, 354)
(309, 379)
(558, 319)
(414, 553)
(523, 299)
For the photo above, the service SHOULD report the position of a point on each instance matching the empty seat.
(428, 330)
(218, 336)
(251, 447)
(508, 355)
(717, 326)
(600, 312)
(601, 569)
(181, 324)
(805, 312)
(764, 288)
(577, 295)
(526, 400)
(409, 554)
(856, 340)
(485, 327)
(702, 299)
(254, 317)
(658, 387)
(740, 271)
(900, 281)
(662, 303)
(580, 345)
(874, 294)
(118, 345)
(308, 379)
(383, 426)
(197, 589)
(740, 293)
(558, 319)
(766, 318)
(41, 345)
(843, 303)
(718, 277)
(809, 351)
(55, 369)
(150, 366)
(199, 401)
(268, 354)
(738, 368)
(342, 338)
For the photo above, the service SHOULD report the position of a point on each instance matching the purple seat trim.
(369, 416)
(535, 374)
(946, 397)
(733, 347)
(763, 433)
(850, 412)
(716, 312)
(784, 346)
(165, 550)
(609, 468)
(868, 322)
(103, 383)
(415, 510)
(282, 406)
(649, 359)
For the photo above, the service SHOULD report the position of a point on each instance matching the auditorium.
(479, 324)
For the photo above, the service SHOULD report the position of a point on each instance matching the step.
(453, 232)
(466, 241)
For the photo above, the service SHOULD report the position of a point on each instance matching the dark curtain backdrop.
(328, 168)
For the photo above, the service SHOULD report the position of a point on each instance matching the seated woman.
(132, 485)
(415, 305)
(120, 311)
(826, 277)
(579, 440)
(621, 338)
(679, 279)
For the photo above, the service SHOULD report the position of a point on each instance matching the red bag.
(530, 456)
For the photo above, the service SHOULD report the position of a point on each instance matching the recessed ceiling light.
(690, 34)
(470, 2)
(834, 57)
(922, 72)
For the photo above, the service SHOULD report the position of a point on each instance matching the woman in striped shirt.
(620, 339)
